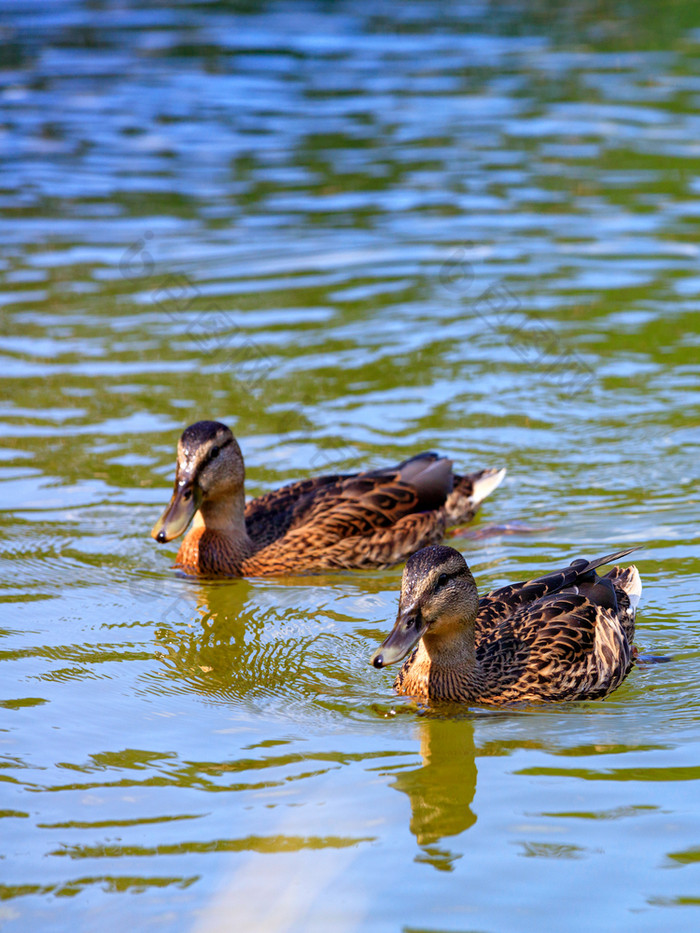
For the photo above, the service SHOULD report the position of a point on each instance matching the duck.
(567, 635)
(342, 521)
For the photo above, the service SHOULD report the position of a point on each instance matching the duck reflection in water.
(253, 641)
(441, 791)
(232, 646)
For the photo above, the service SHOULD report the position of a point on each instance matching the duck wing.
(269, 516)
(378, 499)
(561, 646)
(367, 519)
(501, 603)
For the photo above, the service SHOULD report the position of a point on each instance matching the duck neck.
(225, 518)
(450, 663)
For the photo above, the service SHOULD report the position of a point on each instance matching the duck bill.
(179, 513)
(407, 632)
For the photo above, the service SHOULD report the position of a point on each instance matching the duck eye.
(214, 452)
(442, 579)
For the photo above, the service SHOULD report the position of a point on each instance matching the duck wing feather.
(561, 646)
(330, 508)
(500, 603)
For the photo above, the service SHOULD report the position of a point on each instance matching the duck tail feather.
(484, 483)
(628, 579)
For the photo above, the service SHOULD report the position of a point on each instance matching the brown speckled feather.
(270, 516)
(369, 520)
(560, 647)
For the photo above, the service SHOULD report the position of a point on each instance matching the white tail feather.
(632, 585)
(486, 483)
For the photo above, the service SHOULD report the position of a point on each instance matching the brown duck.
(564, 636)
(372, 519)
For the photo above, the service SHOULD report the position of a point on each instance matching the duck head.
(438, 599)
(208, 476)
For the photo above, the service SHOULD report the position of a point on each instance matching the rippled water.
(352, 232)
